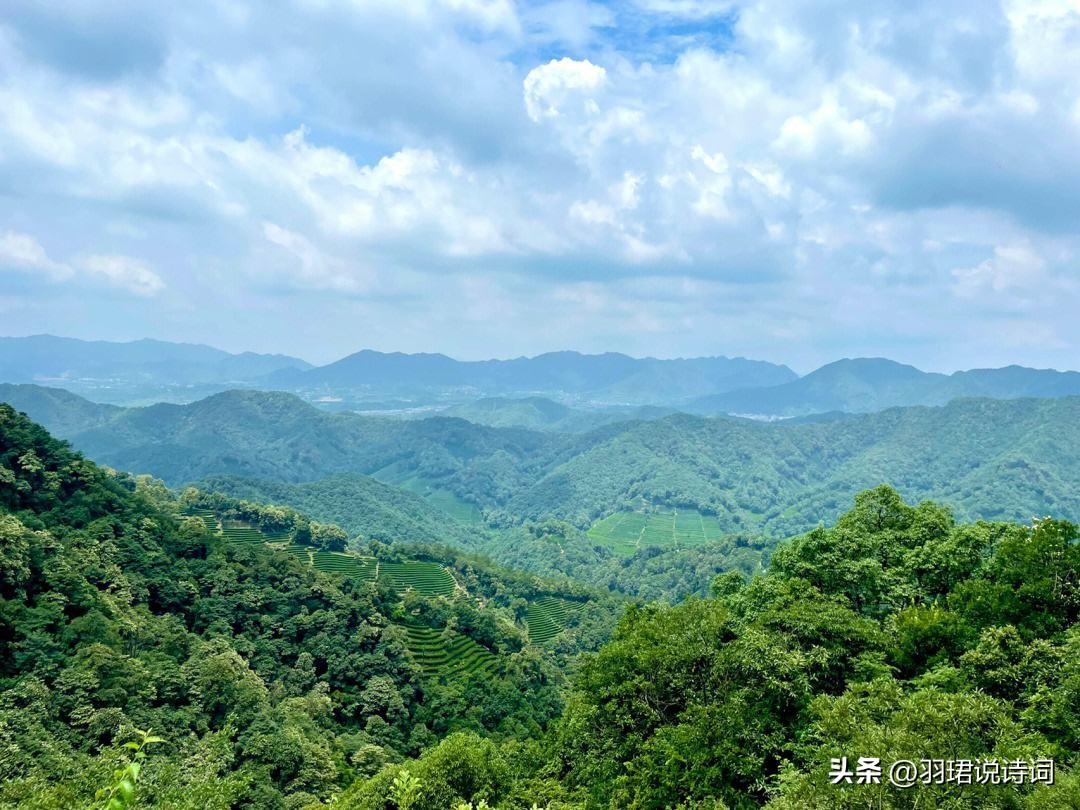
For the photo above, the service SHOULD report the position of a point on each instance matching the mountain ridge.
(994, 459)
(609, 377)
(871, 384)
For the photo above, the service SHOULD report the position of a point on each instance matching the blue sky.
(790, 181)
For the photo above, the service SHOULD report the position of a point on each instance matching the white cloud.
(401, 150)
(552, 88)
(692, 9)
(22, 252)
(125, 272)
(312, 269)
(1014, 270)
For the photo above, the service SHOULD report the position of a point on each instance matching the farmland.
(547, 617)
(439, 657)
(427, 578)
(348, 565)
(207, 516)
(627, 532)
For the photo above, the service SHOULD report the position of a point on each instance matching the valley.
(522, 580)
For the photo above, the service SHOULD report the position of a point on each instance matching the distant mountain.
(872, 384)
(539, 413)
(995, 459)
(67, 413)
(597, 378)
(127, 372)
(276, 436)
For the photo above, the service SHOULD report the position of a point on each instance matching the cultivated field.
(547, 617)
(626, 532)
(207, 516)
(438, 657)
(349, 565)
(426, 577)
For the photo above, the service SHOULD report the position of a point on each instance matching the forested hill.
(360, 504)
(868, 384)
(539, 413)
(610, 377)
(991, 459)
(1000, 459)
(897, 634)
(271, 684)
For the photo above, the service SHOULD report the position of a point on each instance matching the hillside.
(361, 505)
(996, 459)
(539, 413)
(992, 459)
(287, 676)
(283, 675)
(602, 378)
(136, 371)
(896, 631)
(66, 413)
(873, 384)
(277, 436)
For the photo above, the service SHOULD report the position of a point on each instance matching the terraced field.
(237, 533)
(438, 497)
(305, 554)
(207, 515)
(453, 505)
(439, 658)
(626, 532)
(349, 565)
(547, 617)
(426, 577)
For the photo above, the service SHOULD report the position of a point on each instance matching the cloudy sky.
(793, 181)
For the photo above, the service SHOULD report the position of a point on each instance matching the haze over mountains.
(554, 391)
(138, 371)
(863, 385)
(609, 378)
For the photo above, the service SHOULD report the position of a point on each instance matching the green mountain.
(998, 459)
(539, 413)
(873, 384)
(994, 459)
(273, 675)
(137, 371)
(66, 413)
(361, 505)
(599, 378)
(193, 653)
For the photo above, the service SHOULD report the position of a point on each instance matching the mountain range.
(137, 371)
(609, 378)
(870, 384)
(1000, 459)
(559, 391)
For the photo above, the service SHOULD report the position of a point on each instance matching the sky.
(789, 181)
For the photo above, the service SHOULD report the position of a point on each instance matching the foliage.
(121, 794)
(275, 685)
(875, 637)
(896, 632)
(991, 459)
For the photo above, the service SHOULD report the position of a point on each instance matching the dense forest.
(272, 684)
(897, 633)
(989, 459)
